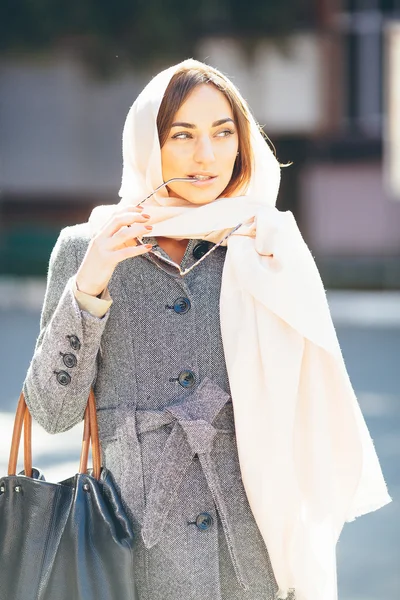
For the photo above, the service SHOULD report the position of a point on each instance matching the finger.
(123, 219)
(130, 208)
(131, 252)
(132, 243)
(128, 234)
(119, 210)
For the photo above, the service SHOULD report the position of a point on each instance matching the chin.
(205, 200)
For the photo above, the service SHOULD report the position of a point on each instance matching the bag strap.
(90, 436)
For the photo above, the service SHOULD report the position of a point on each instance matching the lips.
(203, 176)
(203, 181)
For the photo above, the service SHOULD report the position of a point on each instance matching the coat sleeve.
(63, 367)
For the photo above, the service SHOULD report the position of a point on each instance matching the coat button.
(74, 342)
(182, 305)
(63, 377)
(204, 521)
(201, 249)
(187, 379)
(69, 360)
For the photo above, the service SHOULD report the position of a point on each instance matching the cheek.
(229, 153)
(170, 158)
(229, 161)
(165, 158)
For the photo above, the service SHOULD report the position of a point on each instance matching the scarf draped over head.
(307, 460)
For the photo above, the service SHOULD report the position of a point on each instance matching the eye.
(183, 135)
(225, 133)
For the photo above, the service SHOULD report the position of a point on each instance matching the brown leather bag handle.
(90, 435)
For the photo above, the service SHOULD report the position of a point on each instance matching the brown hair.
(191, 74)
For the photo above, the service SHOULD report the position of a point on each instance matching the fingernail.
(148, 246)
(148, 227)
(146, 215)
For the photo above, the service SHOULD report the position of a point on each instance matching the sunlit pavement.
(368, 327)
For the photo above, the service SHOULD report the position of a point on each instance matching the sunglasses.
(154, 253)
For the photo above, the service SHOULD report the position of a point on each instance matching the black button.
(63, 377)
(69, 360)
(201, 249)
(182, 305)
(187, 379)
(204, 521)
(74, 341)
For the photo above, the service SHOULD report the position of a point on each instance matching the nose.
(204, 152)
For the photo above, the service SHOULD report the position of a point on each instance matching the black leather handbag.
(63, 541)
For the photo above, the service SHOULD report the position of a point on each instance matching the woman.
(180, 334)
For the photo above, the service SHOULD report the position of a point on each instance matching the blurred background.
(323, 79)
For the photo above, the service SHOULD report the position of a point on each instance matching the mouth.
(201, 179)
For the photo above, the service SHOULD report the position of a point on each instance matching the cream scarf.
(307, 460)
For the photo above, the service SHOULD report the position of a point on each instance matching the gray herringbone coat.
(165, 418)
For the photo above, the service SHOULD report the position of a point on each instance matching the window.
(362, 25)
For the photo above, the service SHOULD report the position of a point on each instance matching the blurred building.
(320, 95)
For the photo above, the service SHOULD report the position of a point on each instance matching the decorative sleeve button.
(74, 342)
(63, 377)
(69, 360)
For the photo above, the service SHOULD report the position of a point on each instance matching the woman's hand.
(112, 244)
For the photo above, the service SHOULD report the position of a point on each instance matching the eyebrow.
(193, 126)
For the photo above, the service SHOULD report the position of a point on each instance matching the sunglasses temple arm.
(189, 179)
(138, 239)
(152, 194)
(140, 243)
(212, 249)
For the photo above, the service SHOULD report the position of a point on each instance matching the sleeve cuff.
(94, 306)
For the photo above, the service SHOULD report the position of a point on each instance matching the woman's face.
(203, 141)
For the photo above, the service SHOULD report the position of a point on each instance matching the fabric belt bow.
(192, 434)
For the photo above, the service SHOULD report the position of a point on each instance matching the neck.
(174, 248)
